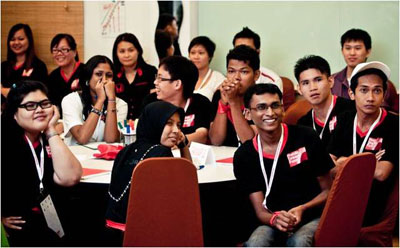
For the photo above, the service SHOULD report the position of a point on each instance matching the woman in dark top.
(134, 76)
(64, 79)
(34, 161)
(21, 62)
(157, 132)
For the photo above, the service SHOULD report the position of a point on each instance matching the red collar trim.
(285, 138)
(34, 144)
(362, 134)
(73, 72)
(18, 67)
(320, 123)
(267, 76)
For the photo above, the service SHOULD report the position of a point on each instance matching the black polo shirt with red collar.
(301, 161)
(340, 105)
(135, 92)
(385, 136)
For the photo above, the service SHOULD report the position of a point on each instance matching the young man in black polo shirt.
(284, 170)
(175, 83)
(229, 126)
(313, 75)
(369, 129)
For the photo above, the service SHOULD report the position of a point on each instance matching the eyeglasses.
(63, 50)
(30, 106)
(263, 106)
(160, 79)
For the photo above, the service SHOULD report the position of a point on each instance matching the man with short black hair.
(249, 38)
(174, 83)
(369, 129)
(313, 75)
(285, 172)
(229, 126)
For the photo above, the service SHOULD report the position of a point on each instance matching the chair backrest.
(295, 111)
(164, 204)
(289, 93)
(344, 210)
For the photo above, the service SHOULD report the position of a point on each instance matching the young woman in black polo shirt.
(135, 78)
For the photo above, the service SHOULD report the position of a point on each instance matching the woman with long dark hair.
(91, 114)
(134, 76)
(34, 161)
(22, 62)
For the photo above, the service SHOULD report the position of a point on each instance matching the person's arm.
(83, 133)
(383, 170)
(218, 127)
(283, 220)
(183, 146)
(111, 133)
(325, 183)
(67, 168)
(200, 135)
(5, 91)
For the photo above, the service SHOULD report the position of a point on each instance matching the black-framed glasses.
(263, 106)
(161, 79)
(63, 50)
(30, 106)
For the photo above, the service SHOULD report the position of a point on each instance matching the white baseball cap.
(371, 65)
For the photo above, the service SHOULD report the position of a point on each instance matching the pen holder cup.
(128, 138)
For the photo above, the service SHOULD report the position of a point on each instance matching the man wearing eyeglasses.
(229, 126)
(313, 75)
(285, 172)
(174, 83)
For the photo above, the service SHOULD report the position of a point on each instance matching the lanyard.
(326, 120)
(260, 156)
(368, 134)
(39, 167)
(187, 104)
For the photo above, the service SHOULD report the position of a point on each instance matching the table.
(220, 172)
(223, 207)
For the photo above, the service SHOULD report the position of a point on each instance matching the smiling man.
(174, 83)
(285, 172)
(313, 75)
(369, 129)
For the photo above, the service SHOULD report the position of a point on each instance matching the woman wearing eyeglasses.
(21, 63)
(64, 79)
(34, 162)
(91, 114)
(134, 76)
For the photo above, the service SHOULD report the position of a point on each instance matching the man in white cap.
(370, 129)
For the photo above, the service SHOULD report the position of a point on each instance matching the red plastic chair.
(295, 111)
(164, 204)
(343, 214)
(288, 95)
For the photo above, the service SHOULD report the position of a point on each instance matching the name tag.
(297, 156)
(51, 216)
(189, 121)
(374, 144)
(332, 124)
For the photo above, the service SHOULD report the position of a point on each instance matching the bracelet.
(273, 218)
(222, 108)
(51, 134)
(183, 143)
(96, 111)
(113, 110)
(111, 100)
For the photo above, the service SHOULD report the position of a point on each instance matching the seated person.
(314, 77)
(135, 77)
(158, 130)
(201, 51)
(174, 83)
(34, 163)
(356, 48)
(285, 172)
(91, 115)
(229, 126)
(369, 129)
(164, 44)
(249, 38)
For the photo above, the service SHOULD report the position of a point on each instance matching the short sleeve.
(72, 112)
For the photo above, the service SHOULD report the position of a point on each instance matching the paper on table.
(88, 173)
(201, 154)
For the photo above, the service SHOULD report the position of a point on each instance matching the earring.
(87, 83)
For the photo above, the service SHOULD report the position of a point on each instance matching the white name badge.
(201, 154)
(50, 214)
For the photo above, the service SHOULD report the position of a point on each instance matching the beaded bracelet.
(96, 111)
(48, 136)
(111, 100)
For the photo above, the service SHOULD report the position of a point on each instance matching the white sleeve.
(72, 112)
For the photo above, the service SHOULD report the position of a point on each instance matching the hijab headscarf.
(153, 119)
